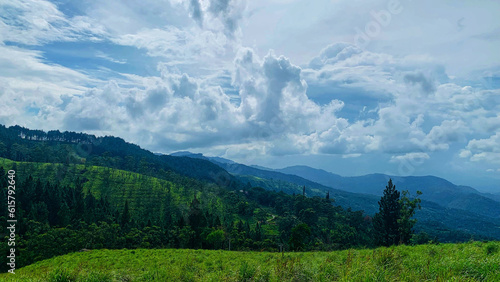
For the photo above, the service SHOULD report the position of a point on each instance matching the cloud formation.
(179, 74)
(39, 22)
(483, 150)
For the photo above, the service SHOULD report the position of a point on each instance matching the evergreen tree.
(196, 218)
(299, 236)
(258, 232)
(90, 207)
(64, 215)
(386, 221)
(125, 218)
(78, 203)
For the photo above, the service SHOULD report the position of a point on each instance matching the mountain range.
(434, 189)
(445, 206)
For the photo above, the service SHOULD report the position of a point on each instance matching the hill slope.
(144, 194)
(22, 144)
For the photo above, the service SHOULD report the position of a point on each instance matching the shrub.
(491, 249)
(247, 272)
(97, 277)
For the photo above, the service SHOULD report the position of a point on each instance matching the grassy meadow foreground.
(474, 261)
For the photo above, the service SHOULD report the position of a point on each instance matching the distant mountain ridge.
(443, 218)
(434, 189)
(201, 156)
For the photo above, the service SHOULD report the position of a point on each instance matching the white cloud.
(413, 158)
(187, 46)
(465, 154)
(196, 88)
(38, 22)
(274, 111)
(107, 57)
(130, 17)
(491, 144)
(178, 111)
(32, 90)
(484, 150)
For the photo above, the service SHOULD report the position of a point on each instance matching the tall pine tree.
(386, 221)
(125, 217)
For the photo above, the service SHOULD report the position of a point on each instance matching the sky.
(353, 87)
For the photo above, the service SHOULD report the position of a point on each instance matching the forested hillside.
(447, 223)
(64, 208)
(22, 144)
(441, 223)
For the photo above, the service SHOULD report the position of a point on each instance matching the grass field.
(474, 261)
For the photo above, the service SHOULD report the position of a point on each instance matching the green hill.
(145, 194)
(25, 145)
(474, 261)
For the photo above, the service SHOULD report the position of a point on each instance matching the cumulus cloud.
(415, 107)
(450, 131)
(334, 53)
(344, 101)
(31, 89)
(483, 150)
(177, 111)
(426, 84)
(273, 112)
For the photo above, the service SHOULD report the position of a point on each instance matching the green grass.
(475, 261)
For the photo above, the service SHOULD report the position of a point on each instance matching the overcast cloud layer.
(399, 87)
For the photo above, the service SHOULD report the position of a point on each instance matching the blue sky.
(354, 87)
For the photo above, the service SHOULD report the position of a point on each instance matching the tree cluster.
(393, 224)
